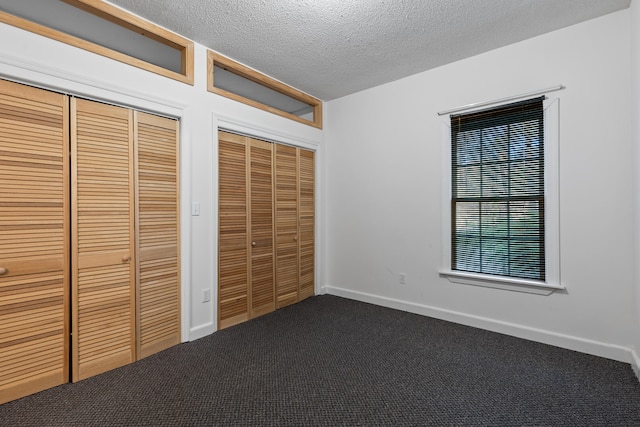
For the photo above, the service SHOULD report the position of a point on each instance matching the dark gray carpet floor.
(329, 361)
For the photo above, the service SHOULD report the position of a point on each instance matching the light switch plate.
(195, 209)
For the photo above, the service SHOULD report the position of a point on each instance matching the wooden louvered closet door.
(306, 203)
(261, 280)
(286, 211)
(157, 226)
(233, 254)
(34, 231)
(245, 258)
(103, 238)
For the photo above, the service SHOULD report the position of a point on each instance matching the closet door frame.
(43, 77)
(243, 129)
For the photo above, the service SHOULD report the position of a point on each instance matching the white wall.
(635, 120)
(33, 59)
(383, 182)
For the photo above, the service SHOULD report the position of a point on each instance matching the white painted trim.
(635, 363)
(552, 191)
(499, 282)
(201, 331)
(267, 133)
(322, 207)
(215, 124)
(596, 348)
(54, 79)
(445, 195)
(185, 228)
(319, 224)
(469, 107)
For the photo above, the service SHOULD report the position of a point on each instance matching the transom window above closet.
(233, 80)
(104, 29)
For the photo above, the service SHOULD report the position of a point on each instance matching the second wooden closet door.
(295, 224)
(158, 237)
(103, 238)
(125, 256)
(306, 222)
(287, 265)
(261, 227)
(245, 279)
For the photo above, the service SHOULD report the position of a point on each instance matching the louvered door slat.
(157, 207)
(233, 252)
(34, 231)
(286, 206)
(103, 236)
(307, 222)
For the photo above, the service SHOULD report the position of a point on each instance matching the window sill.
(499, 282)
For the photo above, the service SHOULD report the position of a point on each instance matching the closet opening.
(266, 223)
(89, 220)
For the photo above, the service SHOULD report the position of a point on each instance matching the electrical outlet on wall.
(403, 278)
(206, 295)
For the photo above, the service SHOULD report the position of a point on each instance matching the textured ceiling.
(331, 48)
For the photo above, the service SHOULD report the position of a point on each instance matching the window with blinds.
(498, 200)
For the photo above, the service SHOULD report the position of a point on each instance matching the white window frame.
(552, 281)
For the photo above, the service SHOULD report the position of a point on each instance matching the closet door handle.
(295, 238)
(126, 258)
(253, 244)
(3, 271)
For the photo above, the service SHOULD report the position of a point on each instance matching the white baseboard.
(201, 331)
(582, 345)
(635, 363)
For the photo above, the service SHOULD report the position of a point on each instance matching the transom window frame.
(215, 59)
(552, 281)
(126, 20)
